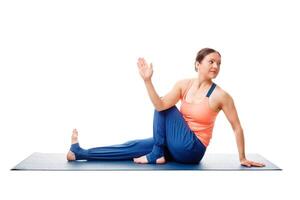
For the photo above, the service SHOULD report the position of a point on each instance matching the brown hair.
(202, 53)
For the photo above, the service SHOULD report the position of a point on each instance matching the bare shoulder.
(221, 92)
(222, 96)
(183, 83)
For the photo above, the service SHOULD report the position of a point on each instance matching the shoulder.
(222, 96)
(183, 83)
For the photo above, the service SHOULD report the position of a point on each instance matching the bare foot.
(71, 156)
(143, 160)
(74, 137)
(74, 140)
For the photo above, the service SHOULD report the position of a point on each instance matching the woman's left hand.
(249, 163)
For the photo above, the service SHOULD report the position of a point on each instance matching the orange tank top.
(199, 116)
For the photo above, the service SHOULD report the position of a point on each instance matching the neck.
(203, 82)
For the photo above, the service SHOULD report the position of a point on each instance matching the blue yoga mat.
(58, 162)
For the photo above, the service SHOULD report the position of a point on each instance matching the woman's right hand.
(145, 70)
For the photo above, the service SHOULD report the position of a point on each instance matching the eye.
(210, 62)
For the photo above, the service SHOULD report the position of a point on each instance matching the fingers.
(256, 164)
(140, 63)
(143, 62)
(248, 163)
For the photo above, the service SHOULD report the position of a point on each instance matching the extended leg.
(125, 151)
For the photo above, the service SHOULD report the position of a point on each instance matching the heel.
(78, 151)
(157, 152)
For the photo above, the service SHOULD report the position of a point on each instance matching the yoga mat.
(58, 162)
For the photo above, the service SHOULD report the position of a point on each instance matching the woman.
(184, 135)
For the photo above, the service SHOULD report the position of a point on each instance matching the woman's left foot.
(143, 160)
(74, 140)
(71, 156)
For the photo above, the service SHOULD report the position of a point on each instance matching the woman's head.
(208, 62)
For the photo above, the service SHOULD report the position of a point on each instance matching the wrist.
(242, 158)
(147, 80)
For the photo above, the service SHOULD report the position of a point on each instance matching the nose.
(215, 66)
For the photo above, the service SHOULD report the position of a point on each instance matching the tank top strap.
(211, 89)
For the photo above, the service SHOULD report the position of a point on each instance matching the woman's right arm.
(162, 103)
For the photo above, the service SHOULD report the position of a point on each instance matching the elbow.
(238, 130)
(158, 110)
(159, 107)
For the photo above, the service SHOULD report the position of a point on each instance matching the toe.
(141, 160)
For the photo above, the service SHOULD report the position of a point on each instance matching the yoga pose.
(179, 135)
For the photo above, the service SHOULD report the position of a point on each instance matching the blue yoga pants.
(172, 138)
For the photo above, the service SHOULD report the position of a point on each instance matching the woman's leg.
(157, 155)
(125, 151)
(171, 132)
(182, 142)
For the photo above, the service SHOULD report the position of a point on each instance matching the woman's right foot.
(144, 160)
(74, 140)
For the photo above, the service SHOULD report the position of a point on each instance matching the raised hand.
(145, 70)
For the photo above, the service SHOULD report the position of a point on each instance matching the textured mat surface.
(58, 162)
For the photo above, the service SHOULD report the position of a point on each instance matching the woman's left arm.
(230, 112)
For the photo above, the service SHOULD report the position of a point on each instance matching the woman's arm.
(230, 112)
(169, 99)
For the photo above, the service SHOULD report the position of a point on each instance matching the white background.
(72, 64)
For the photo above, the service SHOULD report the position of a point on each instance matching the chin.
(213, 77)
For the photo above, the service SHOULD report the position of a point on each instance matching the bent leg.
(125, 151)
(160, 133)
(183, 144)
(159, 137)
(171, 132)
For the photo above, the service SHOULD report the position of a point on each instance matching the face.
(210, 65)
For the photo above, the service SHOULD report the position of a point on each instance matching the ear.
(197, 66)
